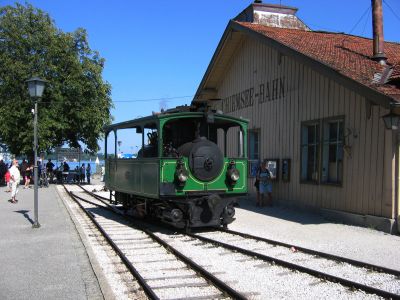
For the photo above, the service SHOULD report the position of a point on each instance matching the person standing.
(88, 173)
(28, 175)
(49, 170)
(15, 177)
(257, 184)
(3, 171)
(24, 166)
(265, 184)
(77, 175)
(82, 174)
(7, 180)
(65, 172)
(103, 172)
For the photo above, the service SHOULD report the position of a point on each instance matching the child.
(7, 179)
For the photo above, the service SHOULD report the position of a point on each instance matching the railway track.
(162, 271)
(352, 274)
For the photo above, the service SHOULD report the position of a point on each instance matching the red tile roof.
(347, 54)
(396, 71)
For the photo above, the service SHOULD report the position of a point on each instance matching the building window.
(332, 152)
(309, 152)
(254, 151)
(328, 169)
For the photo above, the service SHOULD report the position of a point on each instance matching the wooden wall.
(368, 175)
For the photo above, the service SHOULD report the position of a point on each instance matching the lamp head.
(391, 121)
(36, 87)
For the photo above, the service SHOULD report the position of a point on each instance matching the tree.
(76, 103)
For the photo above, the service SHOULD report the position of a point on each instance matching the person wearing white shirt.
(15, 177)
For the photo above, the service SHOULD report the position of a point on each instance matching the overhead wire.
(362, 17)
(365, 24)
(129, 101)
(392, 10)
(154, 99)
(359, 20)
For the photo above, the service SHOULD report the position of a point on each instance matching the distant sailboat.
(97, 160)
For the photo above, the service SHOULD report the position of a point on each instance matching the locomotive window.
(150, 142)
(111, 145)
(127, 143)
(180, 131)
(234, 142)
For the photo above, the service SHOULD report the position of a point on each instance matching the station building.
(317, 103)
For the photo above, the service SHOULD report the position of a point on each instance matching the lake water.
(73, 165)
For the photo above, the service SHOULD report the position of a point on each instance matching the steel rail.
(146, 288)
(354, 262)
(85, 200)
(318, 253)
(217, 282)
(100, 198)
(315, 273)
(312, 272)
(107, 206)
(222, 286)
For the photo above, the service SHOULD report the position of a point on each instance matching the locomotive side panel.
(133, 176)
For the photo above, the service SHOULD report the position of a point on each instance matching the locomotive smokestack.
(377, 28)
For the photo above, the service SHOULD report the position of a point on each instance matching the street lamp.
(391, 121)
(35, 88)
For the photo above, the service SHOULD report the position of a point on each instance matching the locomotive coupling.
(232, 174)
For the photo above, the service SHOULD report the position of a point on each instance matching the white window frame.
(337, 143)
(321, 147)
(305, 147)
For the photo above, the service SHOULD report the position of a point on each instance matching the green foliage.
(76, 103)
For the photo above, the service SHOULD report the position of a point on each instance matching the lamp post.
(391, 121)
(35, 88)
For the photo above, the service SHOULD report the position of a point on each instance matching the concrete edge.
(379, 223)
(386, 225)
(106, 289)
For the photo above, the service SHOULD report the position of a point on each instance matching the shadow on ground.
(283, 212)
(25, 214)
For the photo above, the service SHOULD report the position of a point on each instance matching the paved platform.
(45, 263)
(312, 230)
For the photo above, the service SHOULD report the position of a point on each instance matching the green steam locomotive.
(184, 174)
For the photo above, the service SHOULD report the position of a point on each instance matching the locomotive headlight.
(182, 175)
(233, 174)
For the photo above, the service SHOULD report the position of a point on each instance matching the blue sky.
(160, 49)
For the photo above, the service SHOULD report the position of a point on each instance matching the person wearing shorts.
(28, 176)
(265, 185)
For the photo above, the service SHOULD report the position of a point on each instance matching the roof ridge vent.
(272, 15)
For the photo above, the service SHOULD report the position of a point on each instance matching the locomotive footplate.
(209, 210)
